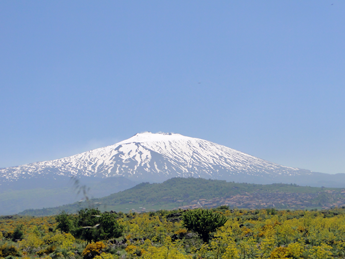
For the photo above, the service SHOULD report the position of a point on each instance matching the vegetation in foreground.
(199, 233)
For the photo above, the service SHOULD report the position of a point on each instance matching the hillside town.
(280, 200)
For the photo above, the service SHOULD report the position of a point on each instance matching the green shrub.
(18, 233)
(92, 225)
(203, 222)
(65, 222)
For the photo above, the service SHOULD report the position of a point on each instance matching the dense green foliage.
(178, 192)
(90, 225)
(203, 222)
(65, 222)
(18, 233)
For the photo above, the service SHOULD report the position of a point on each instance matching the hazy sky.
(263, 77)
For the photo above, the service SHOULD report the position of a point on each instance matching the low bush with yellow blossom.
(93, 249)
(245, 234)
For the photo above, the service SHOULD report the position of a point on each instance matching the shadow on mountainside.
(39, 193)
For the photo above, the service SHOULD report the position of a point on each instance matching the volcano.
(155, 157)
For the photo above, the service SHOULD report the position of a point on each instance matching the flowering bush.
(93, 249)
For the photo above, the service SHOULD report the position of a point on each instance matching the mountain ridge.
(156, 157)
(145, 157)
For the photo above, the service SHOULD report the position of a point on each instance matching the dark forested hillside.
(196, 192)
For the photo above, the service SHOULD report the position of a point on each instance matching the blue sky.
(263, 77)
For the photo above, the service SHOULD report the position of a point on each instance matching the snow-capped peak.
(150, 137)
(153, 157)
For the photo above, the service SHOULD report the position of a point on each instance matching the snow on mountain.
(155, 157)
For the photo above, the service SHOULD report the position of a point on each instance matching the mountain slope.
(157, 157)
(197, 192)
(37, 194)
